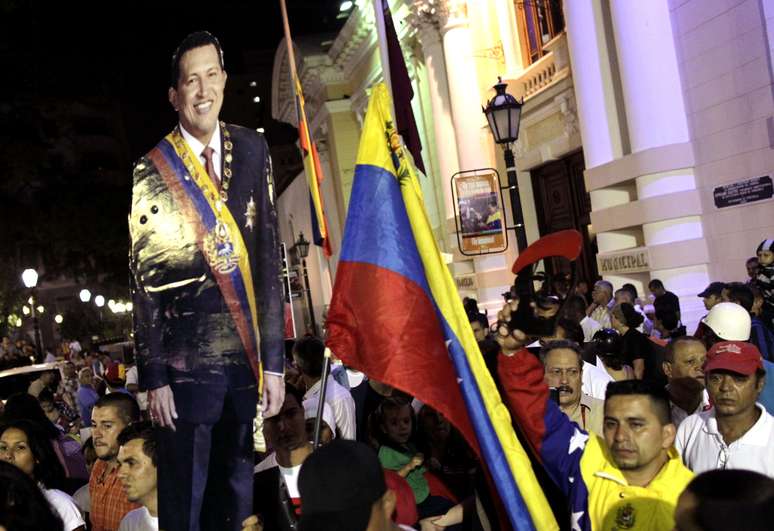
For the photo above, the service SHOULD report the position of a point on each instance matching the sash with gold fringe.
(217, 236)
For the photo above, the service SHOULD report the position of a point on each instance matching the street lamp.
(302, 248)
(503, 112)
(58, 318)
(30, 280)
(99, 300)
(85, 295)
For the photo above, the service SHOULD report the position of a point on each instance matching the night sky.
(83, 93)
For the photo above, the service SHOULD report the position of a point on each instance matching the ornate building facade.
(637, 117)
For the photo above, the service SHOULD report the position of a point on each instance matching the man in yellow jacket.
(630, 478)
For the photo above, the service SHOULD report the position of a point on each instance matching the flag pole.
(384, 54)
(289, 42)
(321, 401)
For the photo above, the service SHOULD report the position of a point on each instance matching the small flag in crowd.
(314, 176)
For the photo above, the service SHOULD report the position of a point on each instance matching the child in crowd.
(765, 280)
(395, 427)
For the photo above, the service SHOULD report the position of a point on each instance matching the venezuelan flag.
(314, 175)
(396, 314)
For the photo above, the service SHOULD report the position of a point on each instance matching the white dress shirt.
(342, 404)
(702, 446)
(197, 147)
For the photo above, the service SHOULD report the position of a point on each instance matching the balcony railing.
(545, 71)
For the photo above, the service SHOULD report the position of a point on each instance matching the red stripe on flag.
(383, 324)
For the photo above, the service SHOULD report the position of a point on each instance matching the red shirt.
(108, 499)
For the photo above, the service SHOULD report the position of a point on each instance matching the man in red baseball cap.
(737, 432)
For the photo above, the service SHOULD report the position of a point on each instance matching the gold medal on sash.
(219, 249)
(219, 245)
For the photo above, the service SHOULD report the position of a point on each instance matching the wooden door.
(562, 203)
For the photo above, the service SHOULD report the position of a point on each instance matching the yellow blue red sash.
(217, 235)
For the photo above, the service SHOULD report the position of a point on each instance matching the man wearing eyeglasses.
(563, 365)
(737, 432)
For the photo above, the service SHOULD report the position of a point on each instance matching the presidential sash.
(217, 235)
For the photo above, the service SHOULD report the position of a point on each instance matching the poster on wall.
(479, 212)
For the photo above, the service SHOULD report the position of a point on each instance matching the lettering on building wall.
(467, 282)
(629, 261)
(743, 192)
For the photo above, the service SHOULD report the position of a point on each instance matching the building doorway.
(561, 202)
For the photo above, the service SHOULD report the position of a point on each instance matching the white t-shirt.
(65, 507)
(590, 327)
(139, 520)
(595, 381)
(702, 446)
(141, 396)
(342, 404)
(82, 498)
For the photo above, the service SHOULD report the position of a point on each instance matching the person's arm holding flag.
(557, 441)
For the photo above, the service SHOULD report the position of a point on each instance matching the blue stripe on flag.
(487, 438)
(377, 202)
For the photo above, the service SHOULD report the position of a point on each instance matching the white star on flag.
(578, 441)
(576, 521)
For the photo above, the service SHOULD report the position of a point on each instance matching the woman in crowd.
(23, 406)
(23, 507)
(24, 445)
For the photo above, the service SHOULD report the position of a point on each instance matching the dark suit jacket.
(266, 500)
(184, 334)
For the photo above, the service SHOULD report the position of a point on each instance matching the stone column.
(509, 36)
(426, 24)
(469, 121)
(657, 120)
(472, 135)
(598, 116)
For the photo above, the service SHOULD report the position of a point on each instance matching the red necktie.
(207, 154)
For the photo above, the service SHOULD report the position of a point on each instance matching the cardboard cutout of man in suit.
(207, 296)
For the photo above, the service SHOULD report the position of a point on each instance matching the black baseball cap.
(339, 484)
(715, 288)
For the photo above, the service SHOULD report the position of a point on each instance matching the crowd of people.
(631, 422)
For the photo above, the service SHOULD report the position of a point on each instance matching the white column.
(443, 125)
(652, 92)
(469, 121)
(471, 132)
(593, 82)
(598, 117)
(506, 21)
(656, 117)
